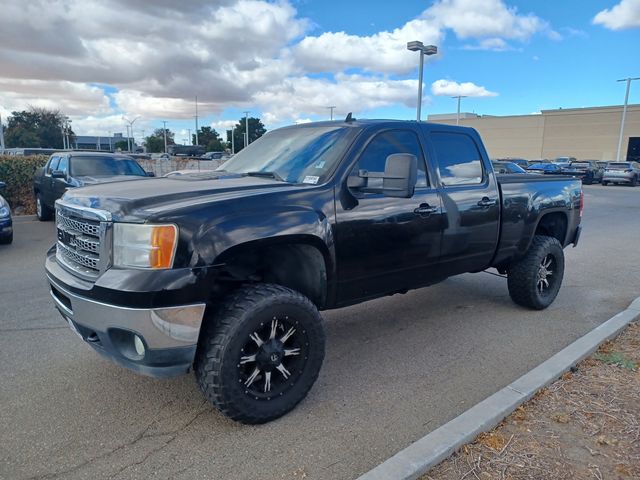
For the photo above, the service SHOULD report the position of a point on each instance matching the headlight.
(5, 212)
(144, 246)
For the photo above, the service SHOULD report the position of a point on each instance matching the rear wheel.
(6, 239)
(534, 281)
(260, 353)
(604, 183)
(634, 181)
(43, 212)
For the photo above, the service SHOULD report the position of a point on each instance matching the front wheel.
(604, 183)
(534, 281)
(260, 353)
(634, 181)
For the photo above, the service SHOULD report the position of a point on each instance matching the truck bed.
(525, 199)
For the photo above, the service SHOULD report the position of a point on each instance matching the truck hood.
(137, 200)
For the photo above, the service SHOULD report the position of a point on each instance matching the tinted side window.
(64, 164)
(53, 164)
(458, 158)
(384, 144)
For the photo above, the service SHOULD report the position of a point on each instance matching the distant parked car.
(67, 170)
(564, 160)
(521, 162)
(545, 168)
(621, 172)
(6, 224)
(506, 167)
(587, 170)
(213, 156)
(160, 156)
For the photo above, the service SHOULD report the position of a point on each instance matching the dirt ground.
(584, 426)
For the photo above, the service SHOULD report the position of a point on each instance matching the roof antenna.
(349, 118)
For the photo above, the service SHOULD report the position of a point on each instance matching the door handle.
(425, 209)
(487, 202)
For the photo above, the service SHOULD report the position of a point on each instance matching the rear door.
(470, 199)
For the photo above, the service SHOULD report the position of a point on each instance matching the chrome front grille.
(83, 237)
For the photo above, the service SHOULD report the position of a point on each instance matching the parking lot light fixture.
(417, 46)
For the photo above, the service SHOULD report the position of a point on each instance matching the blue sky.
(285, 61)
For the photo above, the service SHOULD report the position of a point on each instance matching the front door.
(386, 244)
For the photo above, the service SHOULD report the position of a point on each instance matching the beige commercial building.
(585, 133)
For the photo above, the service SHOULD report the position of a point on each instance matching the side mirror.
(58, 174)
(151, 174)
(3, 185)
(400, 175)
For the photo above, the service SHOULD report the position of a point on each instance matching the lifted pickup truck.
(225, 271)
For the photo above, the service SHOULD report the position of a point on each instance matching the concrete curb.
(419, 457)
(24, 218)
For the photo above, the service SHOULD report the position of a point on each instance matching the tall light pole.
(458, 114)
(197, 143)
(233, 143)
(164, 130)
(131, 122)
(246, 129)
(417, 46)
(624, 113)
(331, 111)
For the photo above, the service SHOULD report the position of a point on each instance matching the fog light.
(137, 342)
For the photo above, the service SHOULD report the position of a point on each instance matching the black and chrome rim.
(545, 277)
(273, 358)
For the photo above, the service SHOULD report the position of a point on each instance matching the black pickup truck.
(224, 272)
(65, 170)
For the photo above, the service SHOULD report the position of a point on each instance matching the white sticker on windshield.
(311, 179)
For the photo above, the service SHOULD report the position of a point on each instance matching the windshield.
(580, 166)
(541, 166)
(104, 166)
(619, 165)
(295, 155)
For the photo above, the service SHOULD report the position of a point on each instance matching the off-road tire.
(225, 332)
(43, 212)
(523, 279)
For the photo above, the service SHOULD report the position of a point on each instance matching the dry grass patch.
(586, 425)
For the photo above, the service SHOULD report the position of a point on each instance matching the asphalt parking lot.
(396, 368)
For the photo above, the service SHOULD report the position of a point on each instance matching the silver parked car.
(621, 172)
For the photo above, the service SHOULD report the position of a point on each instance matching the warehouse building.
(584, 133)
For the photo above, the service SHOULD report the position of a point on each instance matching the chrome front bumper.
(169, 334)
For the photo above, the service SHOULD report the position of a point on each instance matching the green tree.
(36, 127)
(256, 130)
(155, 142)
(208, 137)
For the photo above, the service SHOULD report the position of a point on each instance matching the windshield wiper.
(267, 174)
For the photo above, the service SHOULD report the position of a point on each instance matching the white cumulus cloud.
(625, 14)
(453, 89)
